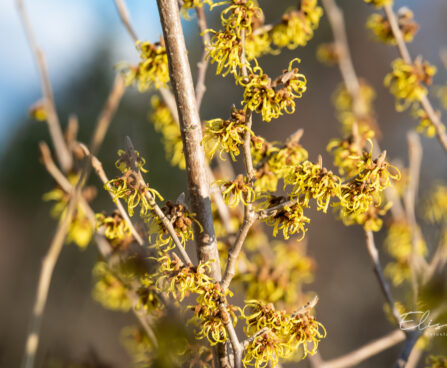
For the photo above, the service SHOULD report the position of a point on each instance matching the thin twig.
(125, 18)
(202, 66)
(156, 208)
(97, 166)
(365, 352)
(410, 342)
(374, 255)
(63, 154)
(405, 54)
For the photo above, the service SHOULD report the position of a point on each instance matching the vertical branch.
(202, 66)
(63, 154)
(190, 127)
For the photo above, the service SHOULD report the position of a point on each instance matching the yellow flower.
(181, 220)
(226, 135)
(225, 49)
(269, 98)
(407, 82)
(435, 209)
(239, 15)
(38, 112)
(264, 351)
(115, 227)
(379, 3)
(328, 53)
(236, 191)
(425, 126)
(152, 70)
(313, 181)
(381, 27)
(109, 290)
(80, 230)
(436, 361)
(190, 4)
(399, 245)
(258, 44)
(165, 124)
(279, 279)
(305, 330)
(130, 188)
(124, 162)
(297, 26)
(290, 220)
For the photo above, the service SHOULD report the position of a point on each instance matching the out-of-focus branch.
(63, 154)
(415, 159)
(190, 126)
(107, 113)
(410, 342)
(125, 18)
(202, 66)
(374, 255)
(404, 53)
(367, 351)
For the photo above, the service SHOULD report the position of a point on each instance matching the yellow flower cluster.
(398, 244)
(213, 313)
(379, 3)
(297, 26)
(328, 53)
(407, 82)
(269, 98)
(359, 112)
(277, 334)
(190, 4)
(152, 69)
(237, 191)
(279, 279)
(290, 220)
(148, 296)
(226, 47)
(313, 181)
(436, 205)
(226, 135)
(116, 229)
(165, 124)
(436, 361)
(211, 310)
(347, 153)
(129, 187)
(274, 163)
(181, 220)
(108, 289)
(381, 27)
(138, 346)
(80, 230)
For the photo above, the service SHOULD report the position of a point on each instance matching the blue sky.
(66, 30)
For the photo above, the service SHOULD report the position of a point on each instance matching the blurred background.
(83, 40)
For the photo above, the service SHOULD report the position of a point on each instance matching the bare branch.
(190, 126)
(63, 154)
(107, 113)
(125, 18)
(365, 352)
